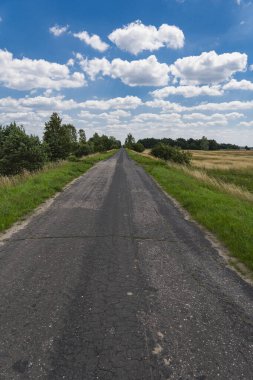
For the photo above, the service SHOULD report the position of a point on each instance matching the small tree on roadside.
(130, 140)
(69, 137)
(19, 151)
(60, 139)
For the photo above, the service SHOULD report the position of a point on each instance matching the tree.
(19, 151)
(130, 140)
(213, 145)
(82, 136)
(204, 143)
(149, 143)
(59, 139)
(182, 143)
(70, 137)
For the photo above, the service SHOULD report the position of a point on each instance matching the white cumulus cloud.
(59, 103)
(208, 68)
(233, 106)
(129, 102)
(239, 85)
(57, 30)
(28, 74)
(143, 72)
(137, 37)
(187, 91)
(213, 117)
(94, 41)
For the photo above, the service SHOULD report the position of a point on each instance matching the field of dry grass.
(229, 171)
(233, 168)
(223, 159)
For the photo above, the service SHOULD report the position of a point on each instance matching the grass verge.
(228, 217)
(22, 194)
(242, 178)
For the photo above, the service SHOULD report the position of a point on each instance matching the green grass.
(227, 217)
(19, 199)
(242, 177)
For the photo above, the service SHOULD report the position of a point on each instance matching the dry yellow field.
(229, 171)
(223, 159)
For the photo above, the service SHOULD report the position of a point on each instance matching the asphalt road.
(111, 282)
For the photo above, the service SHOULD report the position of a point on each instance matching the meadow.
(217, 192)
(234, 167)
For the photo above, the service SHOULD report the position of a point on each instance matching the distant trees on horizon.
(190, 144)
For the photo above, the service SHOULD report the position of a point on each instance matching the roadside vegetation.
(20, 151)
(32, 170)
(234, 167)
(171, 153)
(227, 214)
(131, 144)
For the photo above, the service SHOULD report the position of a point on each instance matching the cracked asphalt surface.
(111, 282)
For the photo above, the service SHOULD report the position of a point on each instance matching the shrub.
(19, 151)
(138, 147)
(169, 153)
(84, 149)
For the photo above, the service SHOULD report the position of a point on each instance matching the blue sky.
(161, 68)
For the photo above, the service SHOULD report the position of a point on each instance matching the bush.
(138, 147)
(169, 153)
(84, 149)
(19, 151)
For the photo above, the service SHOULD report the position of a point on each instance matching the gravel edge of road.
(231, 262)
(25, 220)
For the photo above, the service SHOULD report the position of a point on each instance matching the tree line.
(191, 144)
(20, 151)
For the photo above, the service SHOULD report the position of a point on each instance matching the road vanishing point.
(111, 282)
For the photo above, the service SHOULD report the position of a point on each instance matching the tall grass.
(223, 160)
(234, 178)
(229, 188)
(9, 181)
